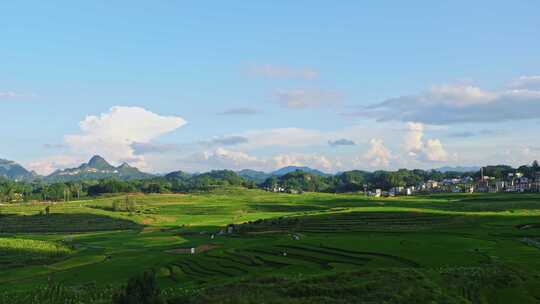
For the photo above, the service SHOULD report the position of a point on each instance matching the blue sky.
(169, 85)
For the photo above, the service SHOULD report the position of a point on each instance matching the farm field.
(285, 248)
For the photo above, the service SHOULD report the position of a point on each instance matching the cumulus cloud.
(378, 155)
(307, 98)
(413, 138)
(240, 111)
(450, 104)
(432, 150)
(120, 135)
(282, 71)
(341, 142)
(226, 141)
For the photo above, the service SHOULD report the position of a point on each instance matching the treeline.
(350, 181)
(11, 191)
(353, 181)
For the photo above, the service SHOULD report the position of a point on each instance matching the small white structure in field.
(296, 237)
(212, 237)
(192, 250)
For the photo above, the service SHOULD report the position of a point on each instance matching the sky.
(202, 85)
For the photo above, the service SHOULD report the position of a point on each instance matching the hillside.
(254, 175)
(97, 168)
(289, 169)
(12, 170)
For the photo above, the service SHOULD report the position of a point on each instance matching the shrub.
(141, 289)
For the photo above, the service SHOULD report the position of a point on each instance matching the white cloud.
(222, 158)
(413, 138)
(50, 164)
(432, 150)
(245, 111)
(307, 98)
(113, 135)
(378, 155)
(525, 82)
(153, 148)
(11, 94)
(282, 71)
(449, 104)
(226, 141)
(314, 161)
(228, 159)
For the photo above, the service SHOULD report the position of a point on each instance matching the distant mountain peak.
(124, 165)
(460, 169)
(289, 169)
(97, 168)
(97, 161)
(11, 170)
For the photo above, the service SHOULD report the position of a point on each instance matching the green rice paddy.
(308, 248)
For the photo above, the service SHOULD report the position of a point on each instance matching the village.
(513, 182)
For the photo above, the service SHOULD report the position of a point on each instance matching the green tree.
(141, 289)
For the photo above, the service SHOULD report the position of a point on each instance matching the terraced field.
(447, 248)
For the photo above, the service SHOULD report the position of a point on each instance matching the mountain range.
(260, 176)
(98, 168)
(458, 169)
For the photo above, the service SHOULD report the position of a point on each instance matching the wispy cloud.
(526, 82)
(307, 98)
(341, 142)
(464, 134)
(240, 111)
(283, 71)
(54, 146)
(467, 134)
(226, 141)
(11, 94)
(140, 148)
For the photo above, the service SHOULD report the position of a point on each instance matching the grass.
(21, 252)
(443, 248)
